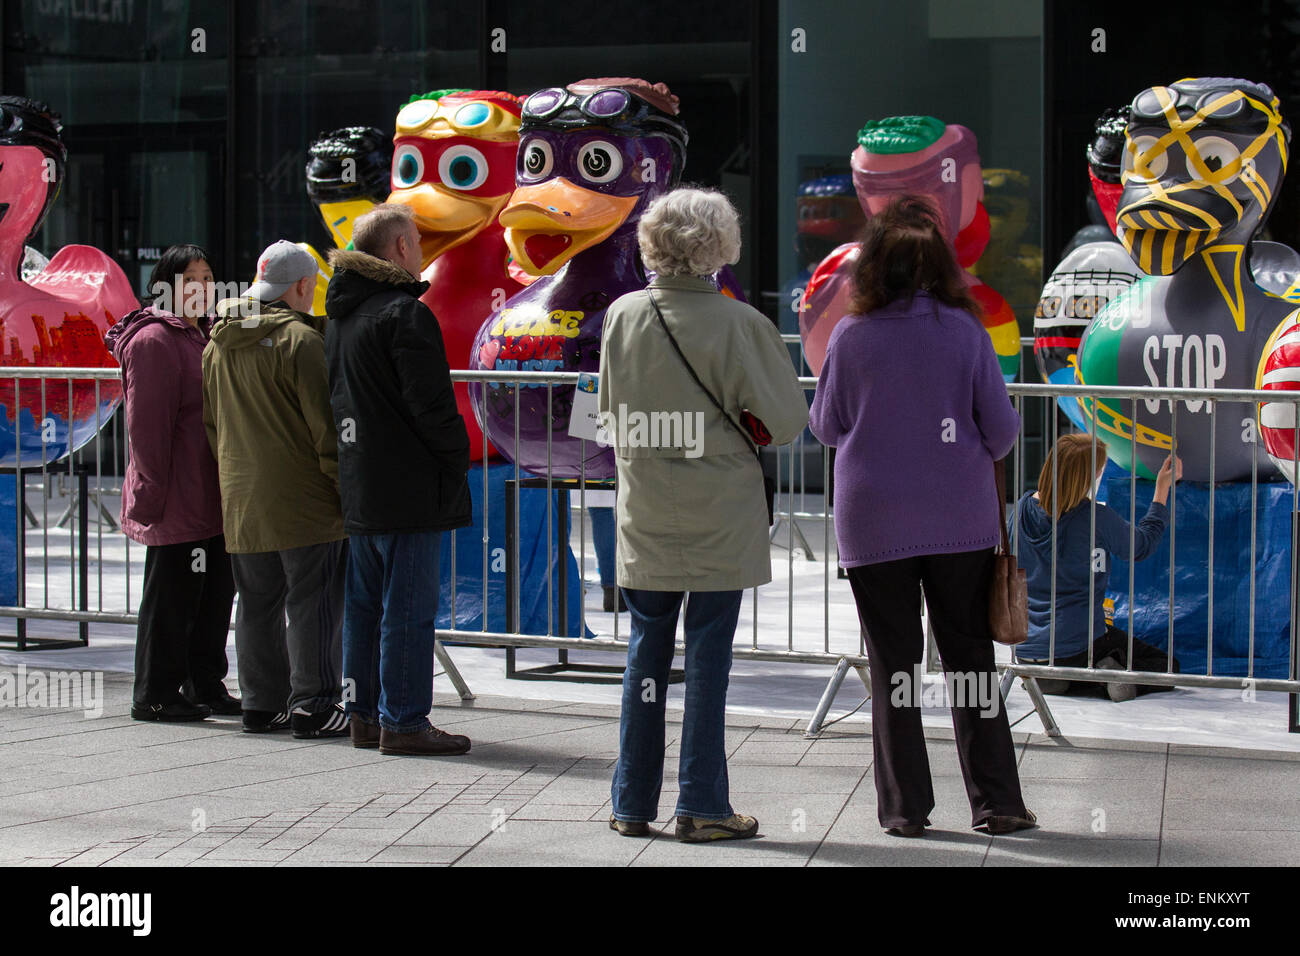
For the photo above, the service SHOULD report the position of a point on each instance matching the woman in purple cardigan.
(171, 500)
(912, 398)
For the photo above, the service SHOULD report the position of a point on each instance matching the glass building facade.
(189, 120)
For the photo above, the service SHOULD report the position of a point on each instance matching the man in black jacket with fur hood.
(403, 459)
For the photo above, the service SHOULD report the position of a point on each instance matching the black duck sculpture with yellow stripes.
(1203, 162)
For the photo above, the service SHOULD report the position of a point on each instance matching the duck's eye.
(1219, 156)
(408, 167)
(538, 159)
(463, 167)
(1155, 165)
(600, 162)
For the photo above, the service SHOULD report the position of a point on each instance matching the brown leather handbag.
(1008, 592)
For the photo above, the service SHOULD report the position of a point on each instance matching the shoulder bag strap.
(716, 404)
(1000, 479)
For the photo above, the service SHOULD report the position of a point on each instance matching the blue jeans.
(389, 616)
(702, 770)
(602, 537)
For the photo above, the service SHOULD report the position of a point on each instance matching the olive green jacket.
(266, 405)
(690, 507)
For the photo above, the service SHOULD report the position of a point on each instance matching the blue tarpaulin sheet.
(1192, 576)
(533, 561)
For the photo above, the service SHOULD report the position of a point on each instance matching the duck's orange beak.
(550, 223)
(446, 218)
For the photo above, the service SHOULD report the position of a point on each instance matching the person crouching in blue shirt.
(1068, 496)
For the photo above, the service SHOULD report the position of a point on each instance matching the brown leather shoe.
(429, 742)
(1001, 826)
(365, 734)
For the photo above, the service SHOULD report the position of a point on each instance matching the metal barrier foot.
(457, 680)
(794, 525)
(828, 696)
(864, 675)
(1040, 705)
(1004, 683)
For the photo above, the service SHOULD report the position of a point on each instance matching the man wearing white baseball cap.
(266, 404)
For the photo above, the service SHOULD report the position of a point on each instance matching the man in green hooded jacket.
(266, 405)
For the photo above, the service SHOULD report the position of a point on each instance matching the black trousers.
(888, 596)
(289, 629)
(180, 641)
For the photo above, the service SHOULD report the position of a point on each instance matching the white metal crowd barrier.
(805, 616)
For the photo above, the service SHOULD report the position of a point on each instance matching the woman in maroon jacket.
(171, 502)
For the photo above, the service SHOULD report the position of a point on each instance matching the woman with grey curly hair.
(691, 381)
(690, 232)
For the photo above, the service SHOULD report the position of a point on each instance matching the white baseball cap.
(279, 267)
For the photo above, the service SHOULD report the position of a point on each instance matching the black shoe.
(613, 595)
(223, 704)
(1001, 826)
(265, 721)
(324, 723)
(178, 711)
(910, 830)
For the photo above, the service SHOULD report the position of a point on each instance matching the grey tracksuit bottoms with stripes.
(289, 627)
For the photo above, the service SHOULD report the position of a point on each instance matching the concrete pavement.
(109, 791)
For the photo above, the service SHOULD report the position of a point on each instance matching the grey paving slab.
(500, 728)
(108, 738)
(793, 815)
(1105, 808)
(1270, 812)
(585, 710)
(564, 791)
(835, 758)
(556, 811)
(422, 855)
(768, 753)
(205, 862)
(1226, 847)
(535, 790)
(1096, 743)
(1249, 776)
(359, 781)
(77, 827)
(98, 855)
(452, 828)
(1086, 763)
(767, 849)
(338, 846)
(16, 782)
(1235, 753)
(239, 851)
(1045, 848)
(537, 843)
(752, 779)
(935, 849)
(280, 751)
(860, 744)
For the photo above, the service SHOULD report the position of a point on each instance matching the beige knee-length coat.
(691, 515)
